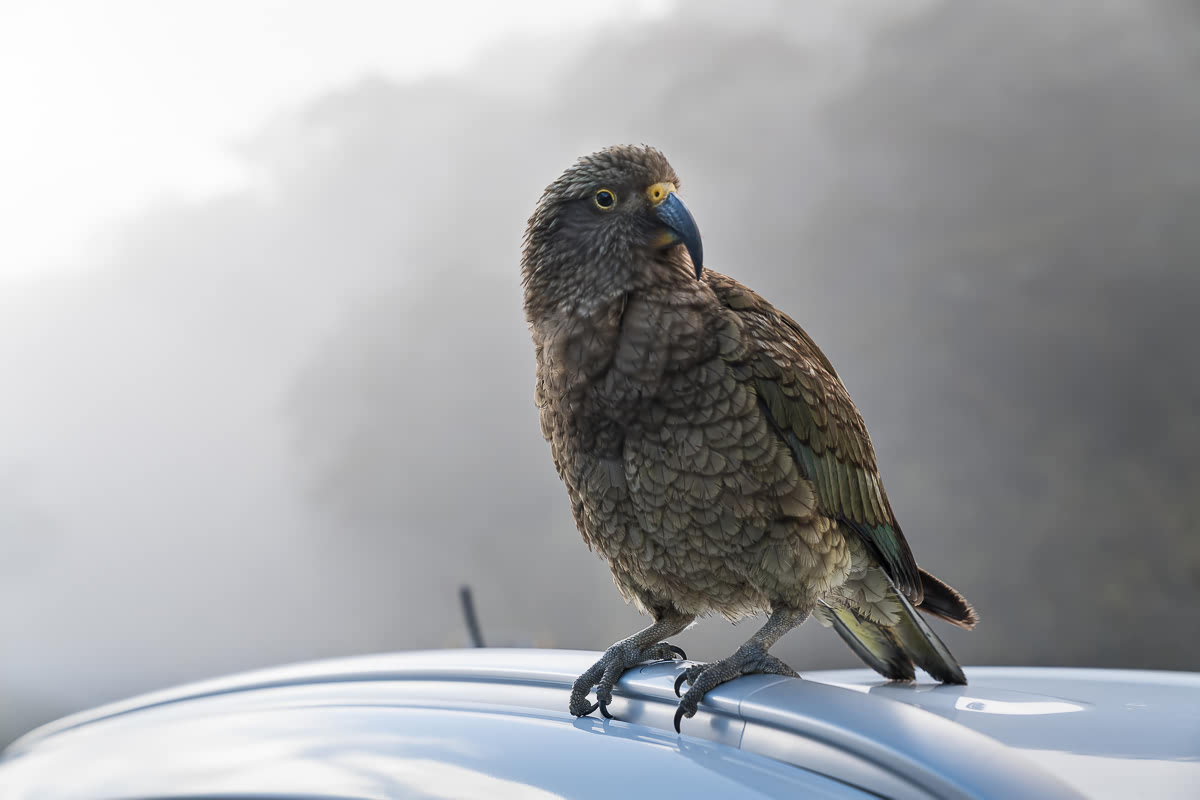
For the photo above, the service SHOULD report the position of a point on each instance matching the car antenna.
(468, 608)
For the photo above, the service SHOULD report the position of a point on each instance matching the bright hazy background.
(267, 385)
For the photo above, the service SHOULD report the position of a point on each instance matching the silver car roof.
(467, 719)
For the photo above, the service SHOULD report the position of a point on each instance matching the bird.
(710, 452)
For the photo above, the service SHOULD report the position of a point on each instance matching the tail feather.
(924, 646)
(893, 650)
(873, 643)
(944, 602)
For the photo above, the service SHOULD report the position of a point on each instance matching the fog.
(288, 422)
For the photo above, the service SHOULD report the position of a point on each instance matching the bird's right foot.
(605, 673)
(750, 659)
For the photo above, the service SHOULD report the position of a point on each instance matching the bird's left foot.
(607, 671)
(750, 659)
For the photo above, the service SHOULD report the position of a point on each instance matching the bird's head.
(610, 223)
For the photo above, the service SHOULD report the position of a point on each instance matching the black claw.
(679, 682)
(678, 716)
(677, 651)
(604, 710)
(590, 710)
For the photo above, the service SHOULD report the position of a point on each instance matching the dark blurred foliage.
(289, 423)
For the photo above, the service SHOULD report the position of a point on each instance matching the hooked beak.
(679, 226)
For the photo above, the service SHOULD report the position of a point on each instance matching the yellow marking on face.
(659, 192)
(665, 238)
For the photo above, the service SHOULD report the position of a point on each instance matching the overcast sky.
(108, 106)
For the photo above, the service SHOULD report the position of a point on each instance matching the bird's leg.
(750, 659)
(645, 645)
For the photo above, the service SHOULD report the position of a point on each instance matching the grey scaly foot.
(608, 670)
(750, 659)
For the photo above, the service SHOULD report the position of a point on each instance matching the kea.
(709, 449)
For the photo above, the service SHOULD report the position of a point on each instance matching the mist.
(288, 422)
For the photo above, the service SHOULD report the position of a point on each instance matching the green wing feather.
(809, 407)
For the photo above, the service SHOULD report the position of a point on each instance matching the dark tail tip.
(944, 602)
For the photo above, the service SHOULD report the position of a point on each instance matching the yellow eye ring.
(605, 199)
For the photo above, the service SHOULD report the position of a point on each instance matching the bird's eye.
(605, 199)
